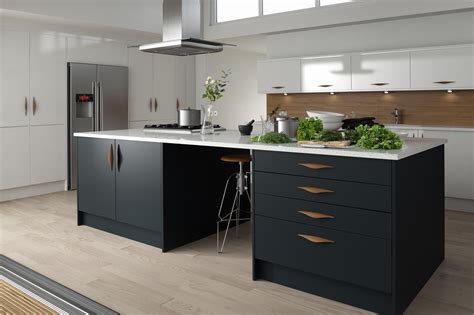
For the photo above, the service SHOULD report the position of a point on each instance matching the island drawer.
(357, 195)
(324, 166)
(352, 258)
(371, 223)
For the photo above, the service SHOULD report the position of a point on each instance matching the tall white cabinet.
(33, 105)
(156, 83)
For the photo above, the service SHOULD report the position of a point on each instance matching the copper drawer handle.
(26, 106)
(315, 190)
(444, 82)
(325, 85)
(316, 239)
(316, 166)
(380, 83)
(278, 87)
(316, 215)
(110, 157)
(34, 106)
(156, 104)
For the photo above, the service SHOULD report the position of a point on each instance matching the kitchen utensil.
(189, 117)
(287, 125)
(250, 123)
(245, 130)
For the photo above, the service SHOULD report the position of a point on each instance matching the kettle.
(287, 125)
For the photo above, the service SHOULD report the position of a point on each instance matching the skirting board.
(30, 191)
(464, 205)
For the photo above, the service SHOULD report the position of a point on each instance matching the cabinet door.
(140, 72)
(459, 162)
(139, 184)
(14, 78)
(164, 69)
(48, 79)
(279, 76)
(96, 176)
(14, 157)
(381, 71)
(48, 153)
(443, 68)
(326, 74)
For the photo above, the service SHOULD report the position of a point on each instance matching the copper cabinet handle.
(278, 87)
(26, 106)
(316, 215)
(325, 85)
(380, 83)
(119, 158)
(177, 104)
(316, 166)
(110, 157)
(316, 239)
(34, 105)
(315, 190)
(150, 104)
(156, 104)
(444, 82)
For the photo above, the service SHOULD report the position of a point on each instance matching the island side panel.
(418, 222)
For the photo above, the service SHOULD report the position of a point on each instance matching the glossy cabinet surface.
(382, 71)
(14, 157)
(279, 76)
(326, 74)
(140, 93)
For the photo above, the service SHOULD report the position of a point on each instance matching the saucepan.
(189, 117)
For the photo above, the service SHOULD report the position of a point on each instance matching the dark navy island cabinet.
(365, 232)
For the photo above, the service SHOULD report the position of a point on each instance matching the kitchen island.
(362, 227)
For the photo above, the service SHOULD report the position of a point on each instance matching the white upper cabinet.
(326, 74)
(14, 157)
(140, 95)
(164, 70)
(279, 76)
(48, 79)
(186, 82)
(443, 68)
(48, 154)
(381, 71)
(14, 78)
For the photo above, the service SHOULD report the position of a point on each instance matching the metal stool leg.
(228, 222)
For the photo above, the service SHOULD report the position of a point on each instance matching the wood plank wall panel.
(430, 108)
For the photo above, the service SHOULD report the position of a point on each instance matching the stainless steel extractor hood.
(182, 35)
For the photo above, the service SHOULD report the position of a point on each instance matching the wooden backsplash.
(433, 108)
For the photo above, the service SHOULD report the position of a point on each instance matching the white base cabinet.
(14, 157)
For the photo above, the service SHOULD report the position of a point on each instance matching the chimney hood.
(182, 35)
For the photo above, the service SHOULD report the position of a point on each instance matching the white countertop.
(233, 139)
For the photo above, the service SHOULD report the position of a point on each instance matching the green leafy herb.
(377, 137)
(352, 135)
(308, 128)
(272, 137)
(328, 135)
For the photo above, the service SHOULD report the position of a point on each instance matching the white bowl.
(333, 126)
(327, 117)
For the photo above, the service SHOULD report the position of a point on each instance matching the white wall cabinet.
(156, 82)
(326, 74)
(443, 68)
(279, 76)
(14, 157)
(48, 79)
(14, 78)
(381, 71)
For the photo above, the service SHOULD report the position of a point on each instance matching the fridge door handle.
(99, 107)
(94, 105)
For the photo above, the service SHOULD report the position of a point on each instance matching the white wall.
(241, 102)
(437, 30)
(142, 15)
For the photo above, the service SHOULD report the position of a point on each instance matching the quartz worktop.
(233, 139)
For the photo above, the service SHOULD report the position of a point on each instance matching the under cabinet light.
(332, 93)
(450, 91)
(386, 92)
(285, 94)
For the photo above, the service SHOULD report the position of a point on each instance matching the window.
(277, 6)
(229, 10)
(331, 2)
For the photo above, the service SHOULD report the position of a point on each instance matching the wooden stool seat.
(237, 158)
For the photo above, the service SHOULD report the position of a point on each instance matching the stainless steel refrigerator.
(98, 100)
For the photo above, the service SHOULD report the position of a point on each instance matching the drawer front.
(370, 223)
(322, 166)
(356, 195)
(352, 258)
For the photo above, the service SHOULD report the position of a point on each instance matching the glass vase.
(207, 127)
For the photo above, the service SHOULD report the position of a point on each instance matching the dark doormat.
(24, 291)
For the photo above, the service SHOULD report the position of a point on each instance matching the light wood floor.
(134, 278)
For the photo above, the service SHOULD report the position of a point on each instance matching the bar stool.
(241, 178)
